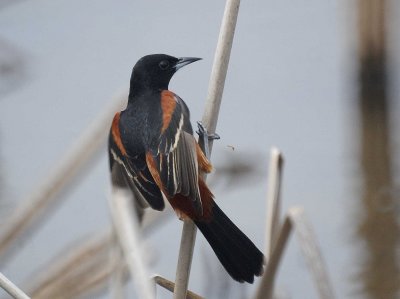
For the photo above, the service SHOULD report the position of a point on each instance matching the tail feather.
(236, 252)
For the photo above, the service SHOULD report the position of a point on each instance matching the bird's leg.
(205, 137)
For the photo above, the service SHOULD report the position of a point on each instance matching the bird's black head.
(155, 71)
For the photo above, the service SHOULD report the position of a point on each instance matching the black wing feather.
(137, 175)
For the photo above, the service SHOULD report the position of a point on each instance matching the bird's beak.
(185, 61)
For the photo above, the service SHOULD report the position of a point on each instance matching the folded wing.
(173, 159)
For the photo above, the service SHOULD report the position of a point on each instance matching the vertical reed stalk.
(210, 118)
(273, 200)
(127, 229)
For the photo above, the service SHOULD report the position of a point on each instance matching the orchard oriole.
(153, 144)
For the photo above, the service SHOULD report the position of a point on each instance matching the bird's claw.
(203, 132)
(205, 137)
(214, 136)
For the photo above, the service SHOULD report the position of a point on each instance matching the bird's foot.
(203, 132)
(205, 137)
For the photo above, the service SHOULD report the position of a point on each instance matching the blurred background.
(317, 79)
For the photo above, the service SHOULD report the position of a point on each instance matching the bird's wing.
(173, 160)
(136, 172)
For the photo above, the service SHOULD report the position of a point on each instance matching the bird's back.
(141, 123)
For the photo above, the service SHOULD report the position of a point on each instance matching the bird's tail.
(239, 256)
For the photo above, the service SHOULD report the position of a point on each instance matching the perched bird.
(151, 142)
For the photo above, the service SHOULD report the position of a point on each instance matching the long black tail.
(239, 256)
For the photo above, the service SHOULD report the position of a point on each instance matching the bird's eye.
(164, 65)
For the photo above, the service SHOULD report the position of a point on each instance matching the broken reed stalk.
(295, 219)
(273, 200)
(11, 288)
(169, 285)
(37, 203)
(266, 288)
(210, 119)
(127, 229)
